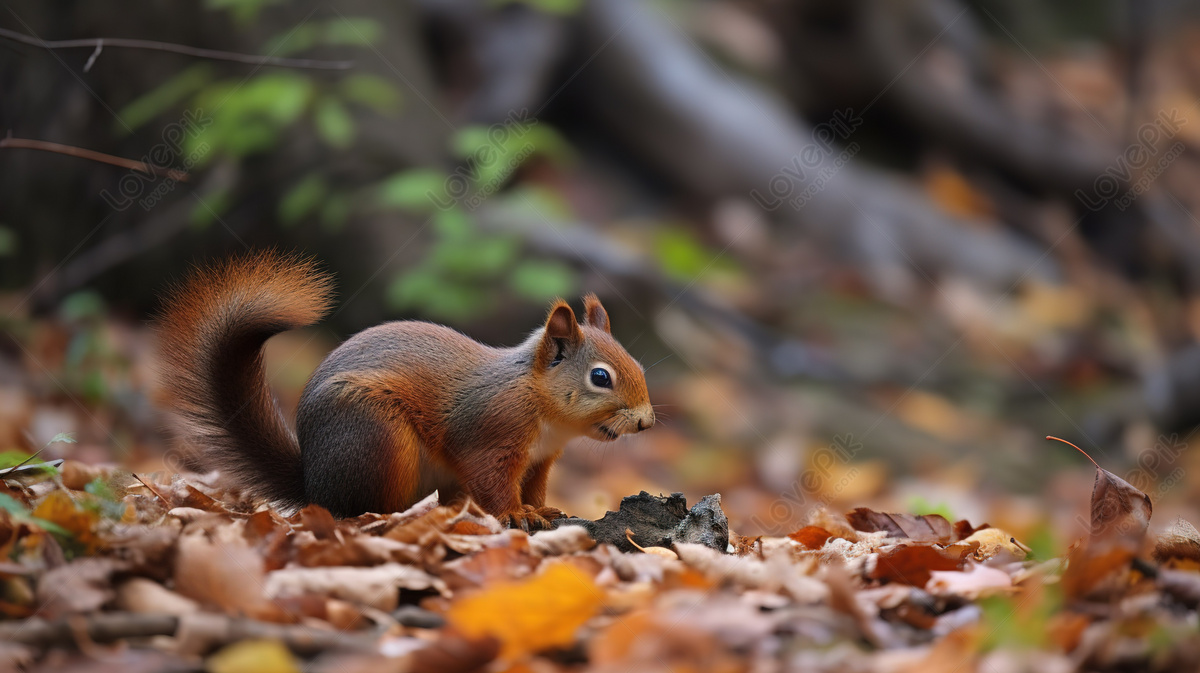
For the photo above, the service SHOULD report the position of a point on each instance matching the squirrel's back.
(211, 331)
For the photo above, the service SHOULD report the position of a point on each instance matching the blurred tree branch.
(99, 43)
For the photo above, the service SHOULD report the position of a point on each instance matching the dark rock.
(659, 521)
(418, 618)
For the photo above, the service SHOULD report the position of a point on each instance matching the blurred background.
(871, 252)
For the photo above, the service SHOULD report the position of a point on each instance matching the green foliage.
(543, 280)
(1020, 623)
(248, 116)
(413, 190)
(681, 256)
(353, 31)
(373, 92)
(243, 11)
(161, 99)
(20, 513)
(1043, 543)
(919, 505)
(303, 198)
(558, 7)
(334, 124)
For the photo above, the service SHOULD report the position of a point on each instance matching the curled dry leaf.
(922, 528)
(1179, 546)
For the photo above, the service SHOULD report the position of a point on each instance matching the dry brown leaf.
(914, 563)
(811, 537)
(1179, 546)
(228, 575)
(923, 528)
(82, 586)
(532, 615)
(1120, 512)
(560, 541)
(377, 587)
(139, 594)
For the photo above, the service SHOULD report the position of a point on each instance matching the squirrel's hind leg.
(358, 457)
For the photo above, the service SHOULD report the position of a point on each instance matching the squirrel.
(397, 410)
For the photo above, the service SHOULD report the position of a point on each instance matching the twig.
(107, 627)
(98, 43)
(69, 150)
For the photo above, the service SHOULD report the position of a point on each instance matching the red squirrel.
(396, 411)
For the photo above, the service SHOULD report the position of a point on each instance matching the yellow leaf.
(58, 508)
(532, 615)
(253, 656)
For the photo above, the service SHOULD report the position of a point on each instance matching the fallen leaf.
(532, 615)
(1179, 546)
(923, 528)
(82, 586)
(974, 582)
(1120, 512)
(812, 537)
(59, 509)
(228, 575)
(914, 563)
(377, 587)
(253, 656)
(995, 542)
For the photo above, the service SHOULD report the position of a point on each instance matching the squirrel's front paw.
(529, 518)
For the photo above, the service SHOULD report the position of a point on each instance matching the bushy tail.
(211, 331)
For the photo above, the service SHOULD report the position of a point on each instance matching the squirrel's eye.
(601, 378)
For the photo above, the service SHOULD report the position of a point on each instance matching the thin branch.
(45, 146)
(99, 43)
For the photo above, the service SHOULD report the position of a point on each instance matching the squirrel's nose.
(645, 420)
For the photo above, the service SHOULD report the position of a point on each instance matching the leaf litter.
(167, 571)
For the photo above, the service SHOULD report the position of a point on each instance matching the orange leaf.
(812, 537)
(58, 508)
(912, 564)
(538, 613)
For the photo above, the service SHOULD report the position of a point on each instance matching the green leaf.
(334, 124)
(353, 30)
(100, 488)
(20, 513)
(453, 224)
(539, 281)
(62, 437)
(475, 258)
(154, 103)
(302, 198)
(680, 254)
(297, 39)
(374, 92)
(417, 189)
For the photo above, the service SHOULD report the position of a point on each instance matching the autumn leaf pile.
(106, 569)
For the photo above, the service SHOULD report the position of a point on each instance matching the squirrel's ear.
(562, 332)
(594, 313)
